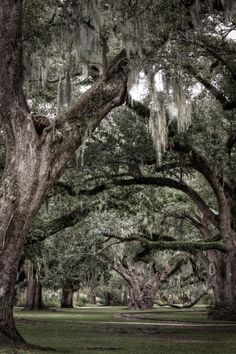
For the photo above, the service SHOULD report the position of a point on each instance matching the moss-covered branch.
(186, 305)
(189, 246)
(174, 245)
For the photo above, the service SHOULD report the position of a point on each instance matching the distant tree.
(143, 278)
(69, 264)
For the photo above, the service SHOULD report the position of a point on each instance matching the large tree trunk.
(67, 298)
(141, 292)
(141, 299)
(93, 299)
(142, 296)
(222, 272)
(8, 270)
(34, 298)
(36, 150)
(28, 175)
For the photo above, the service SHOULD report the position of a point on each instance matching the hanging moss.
(167, 104)
(80, 152)
(68, 88)
(158, 121)
(60, 90)
(88, 24)
(195, 11)
(229, 6)
(182, 105)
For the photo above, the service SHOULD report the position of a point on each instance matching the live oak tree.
(143, 280)
(113, 291)
(37, 147)
(69, 264)
(143, 277)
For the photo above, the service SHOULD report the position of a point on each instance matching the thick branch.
(186, 246)
(186, 305)
(159, 182)
(212, 50)
(172, 266)
(185, 216)
(76, 125)
(220, 189)
(11, 47)
(11, 58)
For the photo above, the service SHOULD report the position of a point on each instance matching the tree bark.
(222, 273)
(36, 150)
(142, 298)
(67, 297)
(34, 298)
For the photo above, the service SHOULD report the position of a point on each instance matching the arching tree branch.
(186, 305)
(186, 246)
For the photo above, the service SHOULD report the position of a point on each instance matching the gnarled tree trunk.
(36, 150)
(141, 298)
(141, 292)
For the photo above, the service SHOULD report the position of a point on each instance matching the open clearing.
(116, 330)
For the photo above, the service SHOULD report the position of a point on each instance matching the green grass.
(195, 314)
(80, 331)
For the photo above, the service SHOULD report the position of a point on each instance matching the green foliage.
(114, 293)
(82, 301)
(51, 298)
(68, 262)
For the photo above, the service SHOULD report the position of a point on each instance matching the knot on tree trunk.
(41, 123)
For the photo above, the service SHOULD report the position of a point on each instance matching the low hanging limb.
(186, 305)
(174, 245)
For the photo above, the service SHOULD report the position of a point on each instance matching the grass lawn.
(89, 331)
